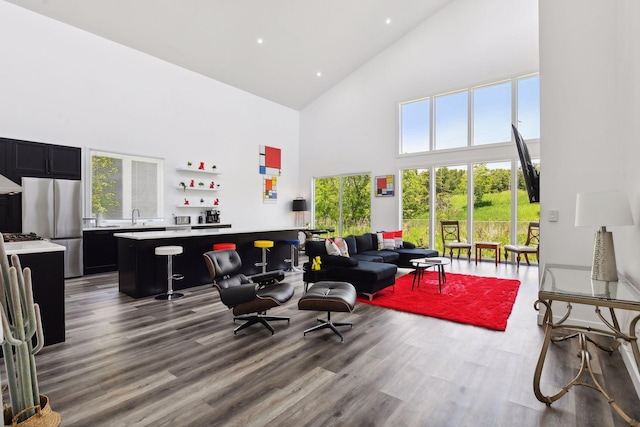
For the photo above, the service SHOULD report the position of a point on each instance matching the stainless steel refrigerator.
(52, 208)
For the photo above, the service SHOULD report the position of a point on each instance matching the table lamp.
(603, 208)
(299, 207)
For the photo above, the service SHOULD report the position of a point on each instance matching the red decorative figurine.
(201, 167)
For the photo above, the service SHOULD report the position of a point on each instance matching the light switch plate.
(553, 215)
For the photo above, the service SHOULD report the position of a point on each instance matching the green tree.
(415, 193)
(104, 183)
(481, 182)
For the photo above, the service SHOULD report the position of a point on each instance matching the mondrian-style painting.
(270, 189)
(270, 163)
(385, 186)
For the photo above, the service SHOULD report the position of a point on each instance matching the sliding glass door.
(343, 203)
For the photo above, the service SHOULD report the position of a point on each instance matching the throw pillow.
(331, 247)
(342, 246)
(397, 237)
(388, 240)
(380, 240)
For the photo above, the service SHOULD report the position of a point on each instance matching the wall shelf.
(203, 188)
(196, 170)
(198, 205)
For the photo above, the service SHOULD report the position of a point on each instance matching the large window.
(451, 199)
(529, 107)
(498, 214)
(343, 203)
(415, 126)
(492, 114)
(451, 119)
(471, 117)
(416, 190)
(121, 183)
(492, 202)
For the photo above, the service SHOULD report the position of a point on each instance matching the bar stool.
(169, 252)
(264, 245)
(223, 246)
(295, 244)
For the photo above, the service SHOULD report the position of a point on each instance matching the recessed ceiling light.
(388, 21)
(259, 41)
(319, 74)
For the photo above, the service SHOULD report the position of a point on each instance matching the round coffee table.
(421, 264)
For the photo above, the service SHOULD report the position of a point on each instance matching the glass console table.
(573, 285)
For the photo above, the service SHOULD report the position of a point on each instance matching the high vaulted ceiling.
(219, 38)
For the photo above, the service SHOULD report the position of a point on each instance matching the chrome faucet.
(133, 218)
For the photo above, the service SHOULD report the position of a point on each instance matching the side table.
(421, 264)
(568, 285)
(495, 246)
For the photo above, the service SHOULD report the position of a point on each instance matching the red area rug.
(474, 300)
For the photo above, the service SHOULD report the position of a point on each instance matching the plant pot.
(44, 416)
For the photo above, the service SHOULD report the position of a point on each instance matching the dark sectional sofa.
(367, 268)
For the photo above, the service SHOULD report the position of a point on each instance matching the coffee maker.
(212, 216)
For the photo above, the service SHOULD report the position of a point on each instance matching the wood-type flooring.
(146, 362)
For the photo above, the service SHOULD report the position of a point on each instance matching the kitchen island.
(46, 261)
(141, 273)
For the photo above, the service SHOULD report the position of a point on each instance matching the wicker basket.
(44, 416)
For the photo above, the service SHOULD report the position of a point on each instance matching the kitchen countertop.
(32, 247)
(152, 225)
(169, 234)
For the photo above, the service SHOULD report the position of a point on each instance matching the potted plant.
(183, 185)
(214, 167)
(189, 164)
(201, 184)
(22, 339)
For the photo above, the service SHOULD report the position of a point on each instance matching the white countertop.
(169, 234)
(152, 225)
(32, 247)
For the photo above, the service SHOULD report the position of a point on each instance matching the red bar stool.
(223, 246)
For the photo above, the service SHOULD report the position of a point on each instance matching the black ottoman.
(329, 296)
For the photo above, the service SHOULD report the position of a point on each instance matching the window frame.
(127, 202)
(470, 116)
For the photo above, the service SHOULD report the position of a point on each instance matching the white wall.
(589, 107)
(62, 85)
(353, 127)
(590, 104)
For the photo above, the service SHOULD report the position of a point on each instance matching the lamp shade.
(603, 208)
(8, 187)
(299, 205)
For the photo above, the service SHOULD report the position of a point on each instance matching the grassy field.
(492, 220)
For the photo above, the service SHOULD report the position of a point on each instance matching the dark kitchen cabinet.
(10, 220)
(35, 159)
(47, 276)
(100, 249)
(32, 159)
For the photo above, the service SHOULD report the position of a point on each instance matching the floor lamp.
(602, 208)
(299, 207)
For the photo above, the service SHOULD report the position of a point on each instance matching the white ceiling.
(218, 38)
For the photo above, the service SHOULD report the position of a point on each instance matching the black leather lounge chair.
(247, 294)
